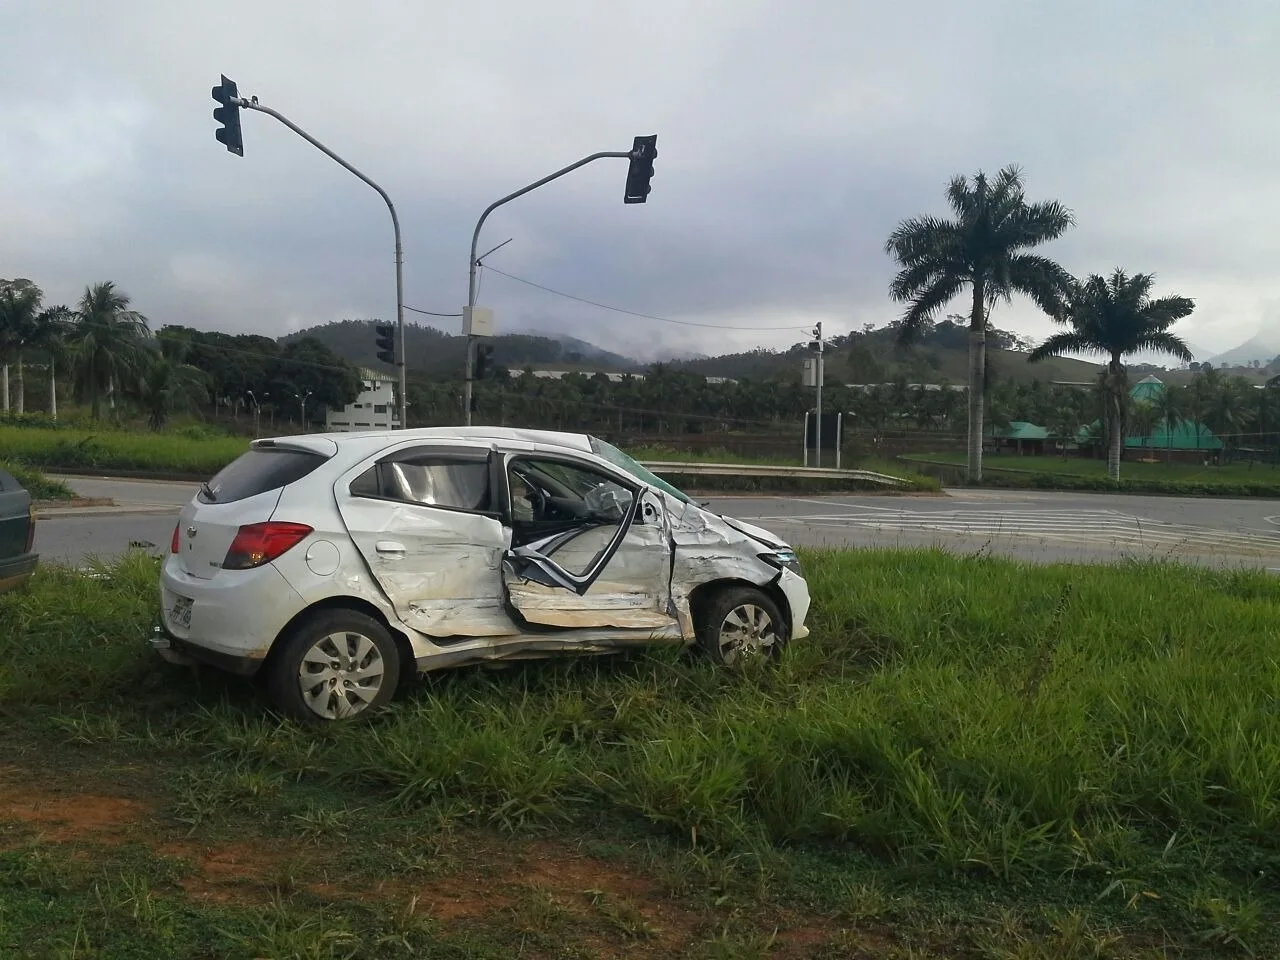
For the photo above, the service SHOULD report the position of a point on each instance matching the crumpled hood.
(757, 533)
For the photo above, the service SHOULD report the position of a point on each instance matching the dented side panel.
(439, 568)
(708, 549)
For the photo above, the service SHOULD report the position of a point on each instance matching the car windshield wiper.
(208, 491)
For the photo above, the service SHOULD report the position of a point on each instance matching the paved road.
(1030, 525)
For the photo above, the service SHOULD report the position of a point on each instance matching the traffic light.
(484, 351)
(229, 116)
(643, 152)
(385, 337)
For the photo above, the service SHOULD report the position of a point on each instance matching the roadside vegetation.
(193, 452)
(36, 483)
(968, 758)
(1073, 473)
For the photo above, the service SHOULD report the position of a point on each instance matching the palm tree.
(1144, 416)
(19, 310)
(983, 248)
(1169, 404)
(1116, 317)
(168, 386)
(107, 340)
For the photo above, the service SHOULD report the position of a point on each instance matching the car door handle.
(390, 547)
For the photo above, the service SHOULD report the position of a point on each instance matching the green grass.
(971, 756)
(78, 449)
(1080, 473)
(36, 483)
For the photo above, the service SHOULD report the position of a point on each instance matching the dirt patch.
(236, 872)
(63, 817)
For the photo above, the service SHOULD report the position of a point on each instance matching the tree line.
(108, 358)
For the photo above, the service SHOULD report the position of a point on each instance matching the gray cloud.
(792, 138)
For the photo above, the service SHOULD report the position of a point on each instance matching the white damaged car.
(337, 564)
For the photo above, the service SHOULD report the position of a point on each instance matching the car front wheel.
(739, 624)
(336, 665)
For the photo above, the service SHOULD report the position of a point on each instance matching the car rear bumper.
(15, 571)
(180, 652)
(230, 620)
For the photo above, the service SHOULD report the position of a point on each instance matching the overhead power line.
(431, 313)
(630, 313)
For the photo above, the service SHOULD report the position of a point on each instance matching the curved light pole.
(642, 152)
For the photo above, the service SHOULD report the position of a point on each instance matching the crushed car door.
(423, 518)
(587, 548)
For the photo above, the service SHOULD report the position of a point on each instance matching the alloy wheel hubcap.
(340, 675)
(747, 631)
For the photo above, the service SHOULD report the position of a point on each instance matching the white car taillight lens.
(259, 543)
(173, 542)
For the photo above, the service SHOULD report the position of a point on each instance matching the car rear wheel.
(336, 665)
(740, 624)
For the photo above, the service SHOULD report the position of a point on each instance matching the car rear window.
(259, 471)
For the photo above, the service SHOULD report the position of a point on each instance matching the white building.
(374, 409)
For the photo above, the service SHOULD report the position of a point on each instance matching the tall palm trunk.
(22, 387)
(4, 386)
(53, 390)
(1114, 401)
(977, 382)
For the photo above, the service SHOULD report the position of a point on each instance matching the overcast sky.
(792, 137)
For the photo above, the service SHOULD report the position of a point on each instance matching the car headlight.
(783, 560)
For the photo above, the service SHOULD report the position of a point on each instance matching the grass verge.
(1055, 473)
(144, 452)
(36, 483)
(967, 758)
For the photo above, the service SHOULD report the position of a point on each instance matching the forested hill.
(438, 355)
(867, 356)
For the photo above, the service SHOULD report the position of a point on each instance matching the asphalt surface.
(1029, 525)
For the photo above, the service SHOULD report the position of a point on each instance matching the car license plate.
(180, 612)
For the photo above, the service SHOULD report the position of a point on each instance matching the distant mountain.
(941, 353)
(1263, 348)
(438, 355)
(866, 357)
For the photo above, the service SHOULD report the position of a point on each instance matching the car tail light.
(174, 546)
(31, 529)
(259, 543)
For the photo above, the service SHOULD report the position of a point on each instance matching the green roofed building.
(1024, 437)
(1185, 436)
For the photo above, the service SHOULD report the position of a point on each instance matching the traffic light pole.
(253, 104)
(818, 372)
(475, 240)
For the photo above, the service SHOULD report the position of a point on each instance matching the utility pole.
(257, 411)
(302, 404)
(642, 154)
(230, 135)
(816, 345)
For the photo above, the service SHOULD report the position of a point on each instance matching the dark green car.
(17, 534)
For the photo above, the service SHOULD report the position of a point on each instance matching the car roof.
(330, 443)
